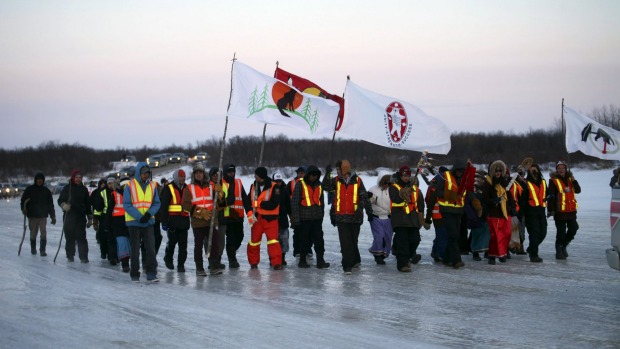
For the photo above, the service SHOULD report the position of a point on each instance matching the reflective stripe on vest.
(408, 207)
(201, 197)
(238, 205)
(265, 195)
(451, 185)
(175, 208)
(104, 195)
(141, 200)
(566, 201)
(119, 210)
(308, 199)
(291, 186)
(516, 191)
(537, 194)
(346, 197)
(436, 214)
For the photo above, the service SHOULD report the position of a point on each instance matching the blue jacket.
(132, 211)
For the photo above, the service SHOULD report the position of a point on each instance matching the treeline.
(545, 146)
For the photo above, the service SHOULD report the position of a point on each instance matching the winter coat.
(399, 217)
(300, 213)
(440, 193)
(553, 195)
(380, 199)
(492, 188)
(230, 200)
(105, 219)
(330, 184)
(131, 210)
(77, 196)
(524, 207)
(271, 204)
(172, 221)
(285, 205)
(41, 203)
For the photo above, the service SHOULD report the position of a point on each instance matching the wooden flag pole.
(223, 142)
(262, 147)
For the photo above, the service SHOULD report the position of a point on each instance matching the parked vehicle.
(178, 158)
(129, 158)
(165, 158)
(126, 171)
(156, 161)
(8, 191)
(151, 157)
(200, 156)
(613, 253)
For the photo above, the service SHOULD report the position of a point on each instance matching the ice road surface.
(556, 304)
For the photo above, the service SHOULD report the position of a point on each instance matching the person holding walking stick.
(75, 203)
(37, 204)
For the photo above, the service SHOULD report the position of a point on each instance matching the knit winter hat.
(181, 173)
(404, 171)
(39, 175)
(300, 169)
(261, 172)
(561, 162)
(213, 171)
(145, 169)
(199, 167)
(110, 180)
(230, 168)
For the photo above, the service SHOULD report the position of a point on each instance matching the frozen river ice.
(556, 304)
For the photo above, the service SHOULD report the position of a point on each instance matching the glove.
(550, 213)
(145, 218)
(96, 224)
(370, 218)
(497, 200)
(427, 226)
(252, 219)
(164, 227)
(369, 194)
(65, 207)
(53, 220)
(217, 187)
(90, 222)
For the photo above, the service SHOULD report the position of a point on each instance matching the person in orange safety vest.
(263, 218)
(562, 206)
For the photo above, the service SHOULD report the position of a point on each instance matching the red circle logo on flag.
(396, 121)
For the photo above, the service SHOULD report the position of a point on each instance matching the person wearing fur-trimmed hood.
(562, 205)
(499, 204)
(381, 226)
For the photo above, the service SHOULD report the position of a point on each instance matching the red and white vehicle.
(613, 253)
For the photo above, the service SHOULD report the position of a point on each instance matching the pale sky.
(131, 73)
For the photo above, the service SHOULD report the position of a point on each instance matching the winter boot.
(380, 260)
(42, 248)
(125, 265)
(476, 256)
(215, 270)
(233, 263)
(200, 269)
(535, 259)
(302, 262)
(33, 246)
(168, 262)
(559, 254)
(416, 258)
(283, 259)
(492, 260)
(321, 263)
(180, 268)
(502, 259)
(564, 250)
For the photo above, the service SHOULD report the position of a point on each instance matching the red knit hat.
(181, 173)
(405, 170)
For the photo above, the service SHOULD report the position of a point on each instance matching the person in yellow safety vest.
(434, 216)
(301, 172)
(141, 203)
(198, 200)
(97, 214)
(263, 218)
(407, 216)
(533, 203)
(518, 224)
(307, 211)
(236, 202)
(119, 228)
(102, 203)
(175, 221)
(562, 205)
(350, 200)
(451, 207)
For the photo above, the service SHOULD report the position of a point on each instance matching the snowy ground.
(567, 304)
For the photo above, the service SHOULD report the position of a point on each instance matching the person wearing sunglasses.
(381, 225)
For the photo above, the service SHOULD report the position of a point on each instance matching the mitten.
(164, 227)
(65, 207)
(96, 224)
(405, 194)
(370, 218)
(53, 220)
(145, 218)
(370, 194)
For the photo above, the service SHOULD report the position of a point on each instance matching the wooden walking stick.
(24, 234)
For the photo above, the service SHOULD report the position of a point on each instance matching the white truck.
(613, 253)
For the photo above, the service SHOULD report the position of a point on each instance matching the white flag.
(259, 97)
(391, 122)
(590, 137)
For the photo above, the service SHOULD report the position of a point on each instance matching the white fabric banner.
(590, 137)
(262, 98)
(391, 123)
